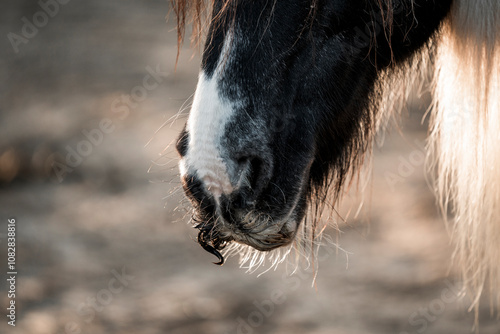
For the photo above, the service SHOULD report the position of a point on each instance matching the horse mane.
(464, 141)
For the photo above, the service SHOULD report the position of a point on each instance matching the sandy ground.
(103, 246)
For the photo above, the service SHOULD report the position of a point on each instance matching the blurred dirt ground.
(103, 247)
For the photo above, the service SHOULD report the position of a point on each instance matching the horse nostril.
(254, 178)
(239, 201)
(193, 187)
(256, 173)
(195, 191)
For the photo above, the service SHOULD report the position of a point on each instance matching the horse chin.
(262, 234)
(267, 239)
(222, 222)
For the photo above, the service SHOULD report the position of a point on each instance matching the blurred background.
(89, 102)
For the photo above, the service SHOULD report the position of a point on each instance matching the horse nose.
(194, 189)
(253, 173)
(249, 175)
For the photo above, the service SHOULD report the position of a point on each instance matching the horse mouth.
(216, 233)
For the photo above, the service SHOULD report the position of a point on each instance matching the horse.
(291, 94)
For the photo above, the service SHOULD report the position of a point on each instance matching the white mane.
(465, 141)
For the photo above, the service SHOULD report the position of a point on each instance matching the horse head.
(283, 108)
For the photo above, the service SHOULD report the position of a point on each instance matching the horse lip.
(258, 232)
(264, 245)
(260, 240)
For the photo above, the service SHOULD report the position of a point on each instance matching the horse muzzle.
(223, 218)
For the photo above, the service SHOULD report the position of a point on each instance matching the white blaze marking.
(206, 125)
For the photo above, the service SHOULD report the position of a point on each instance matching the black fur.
(304, 77)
